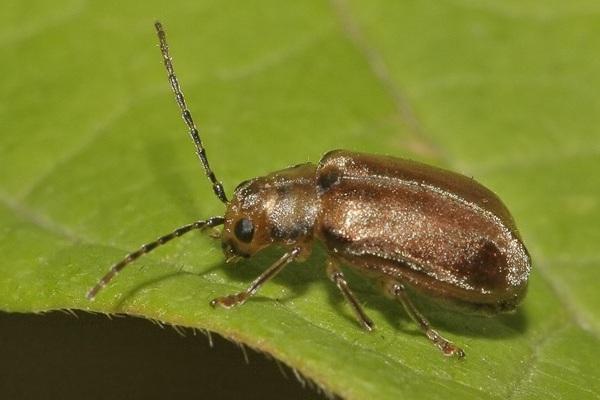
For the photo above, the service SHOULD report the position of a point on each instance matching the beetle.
(407, 225)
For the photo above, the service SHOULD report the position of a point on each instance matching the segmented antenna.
(147, 248)
(185, 113)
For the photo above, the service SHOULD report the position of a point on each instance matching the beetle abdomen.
(448, 236)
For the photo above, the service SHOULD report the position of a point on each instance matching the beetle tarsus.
(230, 301)
(452, 350)
(368, 325)
(448, 348)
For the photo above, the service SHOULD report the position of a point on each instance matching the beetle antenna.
(186, 114)
(147, 248)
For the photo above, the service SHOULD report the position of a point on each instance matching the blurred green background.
(94, 161)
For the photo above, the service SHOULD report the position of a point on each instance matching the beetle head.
(246, 230)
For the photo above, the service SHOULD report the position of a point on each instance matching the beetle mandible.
(400, 222)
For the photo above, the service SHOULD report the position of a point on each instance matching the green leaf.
(95, 161)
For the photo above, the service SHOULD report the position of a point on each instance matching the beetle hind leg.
(398, 291)
(337, 277)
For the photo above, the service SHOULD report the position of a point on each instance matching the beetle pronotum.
(403, 223)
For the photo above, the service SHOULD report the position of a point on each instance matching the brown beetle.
(400, 222)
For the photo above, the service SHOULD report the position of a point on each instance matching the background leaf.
(95, 161)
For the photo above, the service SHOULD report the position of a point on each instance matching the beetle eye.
(244, 230)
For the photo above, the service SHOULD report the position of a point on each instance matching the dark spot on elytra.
(284, 190)
(327, 179)
(488, 268)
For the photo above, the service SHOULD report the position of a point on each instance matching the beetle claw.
(228, 301)
(368, 325)
(449, 349)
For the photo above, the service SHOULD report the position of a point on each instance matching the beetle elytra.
(402, 223)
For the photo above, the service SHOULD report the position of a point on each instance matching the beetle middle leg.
(398, 291)
(337, 277)
(240, 298)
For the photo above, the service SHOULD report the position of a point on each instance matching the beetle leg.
(337, 277)
(398, 291)
(240, 298)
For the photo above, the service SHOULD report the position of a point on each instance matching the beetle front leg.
(337, 277)
(240, 298)
(398, 291)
